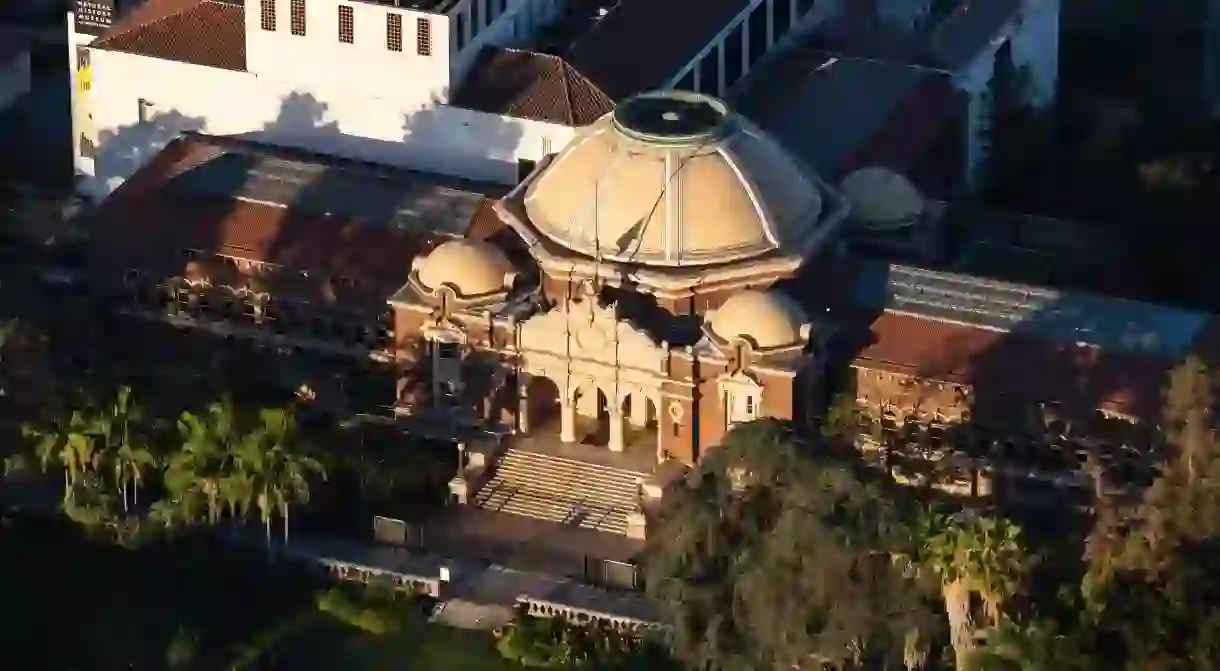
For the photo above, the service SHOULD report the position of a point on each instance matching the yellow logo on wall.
(84, 79)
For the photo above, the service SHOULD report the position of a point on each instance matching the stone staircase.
(562, 490)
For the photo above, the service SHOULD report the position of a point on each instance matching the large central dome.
(673, 178)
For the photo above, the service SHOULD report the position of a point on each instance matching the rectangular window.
(296, 17)
(82, 58)
(393, 32)
(347, 25)
(268, 15)
(423, 37)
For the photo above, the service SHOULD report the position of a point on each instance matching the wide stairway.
(558, 489)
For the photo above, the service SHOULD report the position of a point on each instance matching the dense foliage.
(785, 552)
(554, 643)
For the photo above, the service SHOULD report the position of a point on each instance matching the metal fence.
(391, 531)
(612, 574)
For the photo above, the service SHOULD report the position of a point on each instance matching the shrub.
(340, 604)
(554, 643)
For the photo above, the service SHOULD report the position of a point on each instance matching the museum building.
(671, 272)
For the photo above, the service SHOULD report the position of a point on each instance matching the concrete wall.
(365, 67)
(330, 121)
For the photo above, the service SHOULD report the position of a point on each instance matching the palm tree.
(64, 442)
(969, 555)
(200, 470)
(119, 426)
(278, 468)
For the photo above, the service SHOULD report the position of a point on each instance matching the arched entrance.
(641, 431)
(592, 416)
(542, 405)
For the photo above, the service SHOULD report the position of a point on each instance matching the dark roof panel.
(641, 44)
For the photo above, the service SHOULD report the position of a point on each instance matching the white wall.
(516, 27)
(14, 78)
(364, 67)
(329, 121)
(1035, 46)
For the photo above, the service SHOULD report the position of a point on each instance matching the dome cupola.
(674, 179)
(882, 199)
(766, 319)
(472, 268)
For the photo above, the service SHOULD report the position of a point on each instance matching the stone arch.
(640, 409)
(593, 407)
(543, 401)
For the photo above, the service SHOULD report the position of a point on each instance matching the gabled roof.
(211, 33)
(531, 85)
(640, 44)
(163, 210)
(839, 112)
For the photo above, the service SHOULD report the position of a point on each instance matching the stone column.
(523, 412)
(567, 421)
(639, 410)
(616, 430)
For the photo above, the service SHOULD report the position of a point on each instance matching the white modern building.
(480, 89)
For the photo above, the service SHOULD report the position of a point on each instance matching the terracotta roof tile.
(211, 33)
(531, 85)
(640, 44)
(1022, 366)
(146, 226)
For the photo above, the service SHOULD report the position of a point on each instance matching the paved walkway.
(484, 592)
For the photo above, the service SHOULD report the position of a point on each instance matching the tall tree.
(196, 474)
(972, 557)
(1153, 575)
(279, 467)
(777, 555)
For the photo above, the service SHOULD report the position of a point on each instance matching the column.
(567, 421)
(639, 410)
(616, 430)
(523, 411)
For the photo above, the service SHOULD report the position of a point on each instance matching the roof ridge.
(569, 107)
(139, 22)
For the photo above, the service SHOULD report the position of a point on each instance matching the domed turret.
(882, 199)
(471, 267)
(674, 178)
(768, 320)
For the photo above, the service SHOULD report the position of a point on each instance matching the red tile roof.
(1022, 366)
(145, 225)
(201, 32)
(530, 85)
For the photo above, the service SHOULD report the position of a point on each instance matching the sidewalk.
(480, 595)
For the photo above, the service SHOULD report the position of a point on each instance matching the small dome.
(673, 178)
(768, 319)
(473, 267)
(880, 196)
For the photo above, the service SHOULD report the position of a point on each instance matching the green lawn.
(79, 605)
